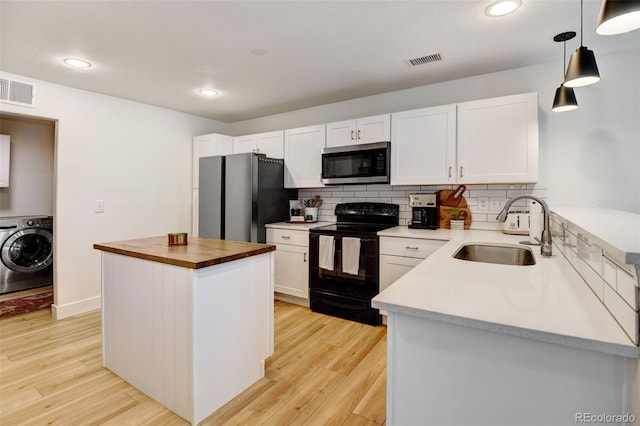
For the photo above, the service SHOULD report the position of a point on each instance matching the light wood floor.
(324, 371)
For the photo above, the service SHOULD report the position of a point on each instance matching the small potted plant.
(457, 218)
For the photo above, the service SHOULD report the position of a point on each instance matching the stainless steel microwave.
(356, 164)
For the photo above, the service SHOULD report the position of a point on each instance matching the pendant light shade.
(565, 98)
(618, 16)
(582, 69)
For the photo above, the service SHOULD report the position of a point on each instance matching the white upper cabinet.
(247, 143)
(5, 160)
(423, 146)
(207, 146)
(363, 130)
(487, 141)
(498, 140)
(302, 156)
(270, 143)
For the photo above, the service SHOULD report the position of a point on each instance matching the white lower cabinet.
(291, 261)
(394, 267)
(398, 255)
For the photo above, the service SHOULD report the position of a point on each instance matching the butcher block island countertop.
(188, 325)
(198, 253)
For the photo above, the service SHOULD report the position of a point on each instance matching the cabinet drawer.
(409, 247)
(286, 236)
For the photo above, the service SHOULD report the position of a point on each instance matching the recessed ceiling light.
(77, 63)
(502, 7)
(208, 92)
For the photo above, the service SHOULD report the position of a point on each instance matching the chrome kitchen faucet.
(545, 241)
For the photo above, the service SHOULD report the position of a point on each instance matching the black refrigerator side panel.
(239, 194)
(273, 198)
(211, 197)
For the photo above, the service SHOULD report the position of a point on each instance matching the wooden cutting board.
(449, 200)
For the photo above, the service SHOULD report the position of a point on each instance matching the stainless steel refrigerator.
(239, 194)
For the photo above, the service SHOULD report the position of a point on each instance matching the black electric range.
(344, 267)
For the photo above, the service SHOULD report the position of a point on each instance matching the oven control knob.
(30, 222)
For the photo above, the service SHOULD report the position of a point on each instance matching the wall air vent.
(17, 92)
(434, 57)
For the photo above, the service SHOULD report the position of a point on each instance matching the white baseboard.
(291, 299)
(64, 311)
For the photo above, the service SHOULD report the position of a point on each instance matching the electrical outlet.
(497, 204)
(98, 206)
(483, 204)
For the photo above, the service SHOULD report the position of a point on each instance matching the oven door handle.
(362, 240)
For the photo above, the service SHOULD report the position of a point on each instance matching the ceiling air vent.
(434, 57)
(16, 92)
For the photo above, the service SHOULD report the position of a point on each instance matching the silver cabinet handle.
(411, 248)
(359, 134)
(352, 135)
(461, 174)
(450, 168)
(285, 237)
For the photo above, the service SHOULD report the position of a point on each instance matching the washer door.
(28, 250)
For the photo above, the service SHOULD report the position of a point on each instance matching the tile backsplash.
(483, 215)
(603, 269)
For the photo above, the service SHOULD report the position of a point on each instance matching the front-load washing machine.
(26, 253)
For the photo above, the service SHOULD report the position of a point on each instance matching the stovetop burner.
(363, 218)
(351, 228)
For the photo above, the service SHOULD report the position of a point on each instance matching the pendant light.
(565, 99)
(582, 69)
(618, 16)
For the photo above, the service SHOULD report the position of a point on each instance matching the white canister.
(456, 225)
(311, 214)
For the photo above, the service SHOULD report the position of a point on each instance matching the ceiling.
(269, 57)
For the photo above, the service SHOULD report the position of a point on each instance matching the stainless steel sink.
(495, 253)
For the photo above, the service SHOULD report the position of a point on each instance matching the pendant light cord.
(581, 21)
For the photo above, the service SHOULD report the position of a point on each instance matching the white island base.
(191, 339)
(448, 374)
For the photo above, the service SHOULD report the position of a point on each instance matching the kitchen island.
(479, 343)
(189, 325)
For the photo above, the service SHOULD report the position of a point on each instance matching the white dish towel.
(326, 252)
(350, 255)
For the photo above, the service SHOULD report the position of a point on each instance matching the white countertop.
(547, 301)
(619, 229)
(299, 226)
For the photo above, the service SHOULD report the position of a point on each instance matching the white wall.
(31, 174)
(588, 157)
(135, 157)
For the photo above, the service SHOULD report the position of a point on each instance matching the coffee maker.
(424, 211)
